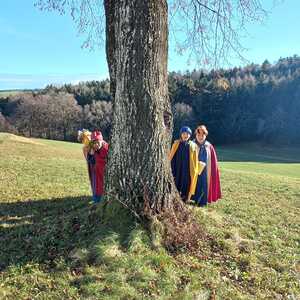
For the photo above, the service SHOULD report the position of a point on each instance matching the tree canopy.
(209, 32)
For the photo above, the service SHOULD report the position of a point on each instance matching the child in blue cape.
(185, 164)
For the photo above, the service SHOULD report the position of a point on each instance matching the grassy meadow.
(54, 245)
(8, 93)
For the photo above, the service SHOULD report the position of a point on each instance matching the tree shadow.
(43, 231)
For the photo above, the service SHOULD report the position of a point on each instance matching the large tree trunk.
(137, 44)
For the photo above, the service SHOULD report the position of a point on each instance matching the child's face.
(200, 136)
(185, 136)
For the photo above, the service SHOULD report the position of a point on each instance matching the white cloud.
(27, 81)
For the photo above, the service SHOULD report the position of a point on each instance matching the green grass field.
(53, 245)
(4, 94)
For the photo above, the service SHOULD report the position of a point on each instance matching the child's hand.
(98, 145)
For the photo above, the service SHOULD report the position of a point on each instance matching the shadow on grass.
(44, 231)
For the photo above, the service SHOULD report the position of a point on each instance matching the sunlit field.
(55, 245)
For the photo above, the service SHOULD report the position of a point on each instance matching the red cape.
(214, 187)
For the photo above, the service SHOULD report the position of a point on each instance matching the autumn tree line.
(58, 112)
(246, 104)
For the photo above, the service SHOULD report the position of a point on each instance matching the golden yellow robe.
(196, 167)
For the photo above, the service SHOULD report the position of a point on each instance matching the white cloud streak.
(27, 81)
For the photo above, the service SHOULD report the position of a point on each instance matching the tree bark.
(138, 169)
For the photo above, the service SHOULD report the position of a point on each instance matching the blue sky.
(38, 48)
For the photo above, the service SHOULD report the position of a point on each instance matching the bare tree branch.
(209, 32)
(205, 6)
(88, 16)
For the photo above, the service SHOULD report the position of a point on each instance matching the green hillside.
(54, 245)
(4, 94)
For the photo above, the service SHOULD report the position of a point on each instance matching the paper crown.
(84, 136)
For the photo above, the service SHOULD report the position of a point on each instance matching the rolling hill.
(55, 245)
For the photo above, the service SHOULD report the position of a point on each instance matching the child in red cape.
(96, 158)
(208, 188)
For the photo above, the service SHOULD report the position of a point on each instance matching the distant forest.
(254, 103)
